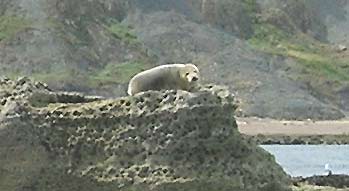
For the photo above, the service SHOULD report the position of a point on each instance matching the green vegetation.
(10, 25)
(113, 73)
(250, 6)
(315, 59)
(267, 37)
(58, 76)
(122, 32)
(318, 65)
(116, 73)
(66, 76)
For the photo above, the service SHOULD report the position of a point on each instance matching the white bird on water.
(327, 169)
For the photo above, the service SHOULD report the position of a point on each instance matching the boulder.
(155, 140)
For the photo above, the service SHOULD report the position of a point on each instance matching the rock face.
(168, 140)
(295, 16)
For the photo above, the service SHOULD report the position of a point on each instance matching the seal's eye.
(187, 73)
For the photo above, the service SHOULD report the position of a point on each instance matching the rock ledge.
(157, 140)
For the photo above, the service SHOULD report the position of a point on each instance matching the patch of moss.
(122, 32)
(251, 6)
(267, 36)
(323, 70)
(10, 25)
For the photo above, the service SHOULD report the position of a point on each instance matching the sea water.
(308, 160)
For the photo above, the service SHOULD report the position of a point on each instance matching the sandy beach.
(255, 126)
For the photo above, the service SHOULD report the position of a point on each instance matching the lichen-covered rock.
(156, 140)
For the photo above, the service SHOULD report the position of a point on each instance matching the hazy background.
(280, 57)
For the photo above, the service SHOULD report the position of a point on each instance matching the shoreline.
(299, 140)
(271, 131)
(337, 181)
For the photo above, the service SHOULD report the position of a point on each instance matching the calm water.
(308, 160)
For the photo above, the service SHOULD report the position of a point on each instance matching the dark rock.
(333, 180)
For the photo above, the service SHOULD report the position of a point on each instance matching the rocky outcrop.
(333, 180)
(168, 140)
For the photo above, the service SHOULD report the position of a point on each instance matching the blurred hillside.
(281, 57)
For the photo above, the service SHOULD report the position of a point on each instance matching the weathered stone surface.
(156, 140)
